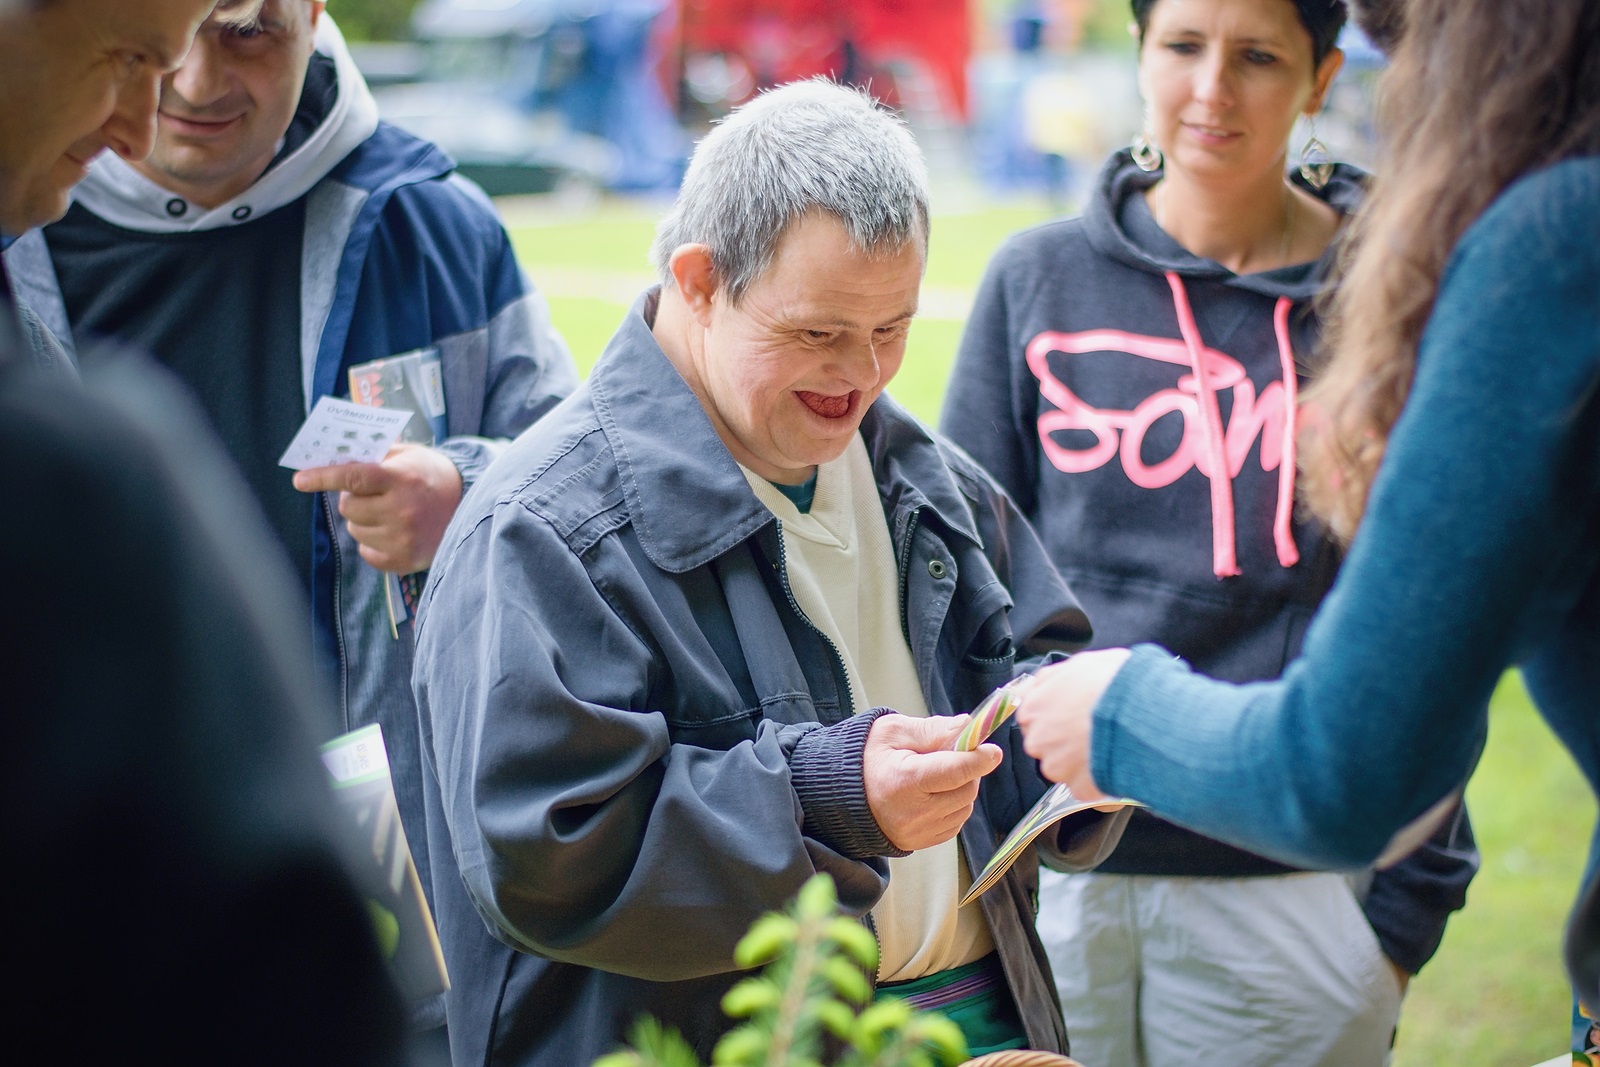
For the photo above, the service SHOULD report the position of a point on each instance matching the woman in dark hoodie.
(1459, 448)
(1131, 377)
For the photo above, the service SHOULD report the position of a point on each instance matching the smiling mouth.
(829, 407)
(181, 124)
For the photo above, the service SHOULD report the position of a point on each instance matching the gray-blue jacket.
(644, 745)
(24, 335)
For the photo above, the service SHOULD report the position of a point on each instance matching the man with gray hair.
(663, 636)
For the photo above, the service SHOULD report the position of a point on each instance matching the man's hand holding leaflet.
(920, 790)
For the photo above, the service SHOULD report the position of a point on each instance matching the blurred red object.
(725, 51)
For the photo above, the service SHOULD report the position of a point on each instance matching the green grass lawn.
(1494, 996)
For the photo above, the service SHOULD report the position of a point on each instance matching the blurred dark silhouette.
(171, 828)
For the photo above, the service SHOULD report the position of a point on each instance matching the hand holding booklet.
(1057, 803)
(395, 399)
(410, 385)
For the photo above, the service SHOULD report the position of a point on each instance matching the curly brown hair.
(1478, 93)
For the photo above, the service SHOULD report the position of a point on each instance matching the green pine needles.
(814, 988)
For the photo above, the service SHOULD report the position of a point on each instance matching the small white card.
(338, 431)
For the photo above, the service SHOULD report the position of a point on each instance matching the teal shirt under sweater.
(1480, 550)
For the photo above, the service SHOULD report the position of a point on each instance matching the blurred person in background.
(1457, 449)
(278, 235)
(1131, 377)
(174, 843)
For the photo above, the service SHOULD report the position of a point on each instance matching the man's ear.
(316, 12)
(696, 280)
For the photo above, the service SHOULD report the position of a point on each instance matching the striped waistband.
(944, 990)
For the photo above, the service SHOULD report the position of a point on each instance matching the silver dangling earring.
(1146, 156)
(1316, 165)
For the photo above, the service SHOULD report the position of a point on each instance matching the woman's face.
(1224, 82)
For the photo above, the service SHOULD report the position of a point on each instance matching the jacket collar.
(675, 470)
(913, 472)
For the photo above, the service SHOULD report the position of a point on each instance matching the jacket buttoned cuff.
(826, 769)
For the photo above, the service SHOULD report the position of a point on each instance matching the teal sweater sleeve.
(1478, 537)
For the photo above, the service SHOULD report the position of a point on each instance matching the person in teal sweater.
(1457, 442)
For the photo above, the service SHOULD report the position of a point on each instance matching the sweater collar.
(675, 470)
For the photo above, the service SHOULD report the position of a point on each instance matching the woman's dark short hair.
(1323, 19)
(1381, 20)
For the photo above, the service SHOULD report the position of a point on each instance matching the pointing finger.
(364, 479)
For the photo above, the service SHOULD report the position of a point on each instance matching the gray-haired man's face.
(787, 373)
(79, 77)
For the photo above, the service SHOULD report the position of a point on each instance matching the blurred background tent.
(533, 95)
(911, 54)
(530, 94)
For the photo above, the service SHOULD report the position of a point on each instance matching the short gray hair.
(803, 147)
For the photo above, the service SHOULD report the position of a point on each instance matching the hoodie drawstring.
(1224, 558)
(1282, 528)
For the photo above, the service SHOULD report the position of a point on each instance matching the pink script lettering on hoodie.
(1122, 432)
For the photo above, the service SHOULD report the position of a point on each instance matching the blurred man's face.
(78, 77)
(224, 111)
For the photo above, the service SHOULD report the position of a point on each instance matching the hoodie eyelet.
(937, 569)
(241, 213)
(177, 208)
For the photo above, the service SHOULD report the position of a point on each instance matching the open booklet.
(1056, 804)
(359, 764)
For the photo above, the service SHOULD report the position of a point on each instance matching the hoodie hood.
(121, 195)
(1119, 225)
